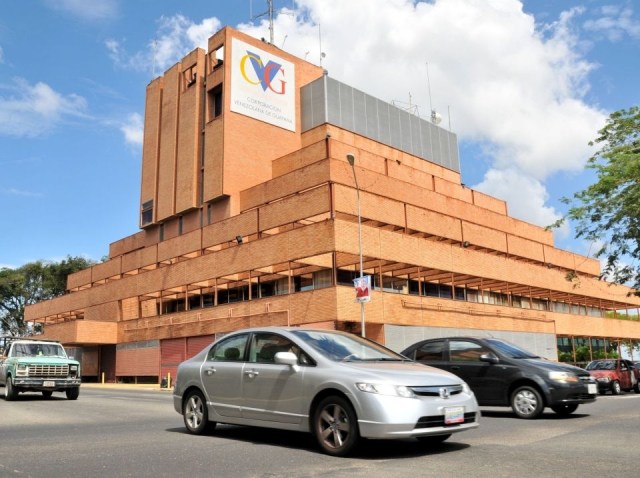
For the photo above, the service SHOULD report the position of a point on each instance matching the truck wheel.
(637, 388)
(526, 402)
(615, 387)
(10, 392)
(72, 393)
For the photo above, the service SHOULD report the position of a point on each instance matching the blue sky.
(525, 85)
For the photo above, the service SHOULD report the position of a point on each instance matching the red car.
(615, 375)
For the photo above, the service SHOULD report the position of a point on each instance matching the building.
(251, 214)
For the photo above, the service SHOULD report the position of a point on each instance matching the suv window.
(430, 351)
(466, 351)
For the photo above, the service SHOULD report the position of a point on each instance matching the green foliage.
(565, 357)
(583, 354)
(32, 283)
(607, 212)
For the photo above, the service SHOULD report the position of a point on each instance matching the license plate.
(592, 388)
(453, 415)
(49, 383)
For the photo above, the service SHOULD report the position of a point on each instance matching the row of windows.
(323, 278)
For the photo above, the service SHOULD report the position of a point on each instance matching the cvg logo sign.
(261, 74)
(259, 88)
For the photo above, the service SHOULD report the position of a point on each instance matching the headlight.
(386, 389)
(563, 377)
(466, 389)
(74, 368)
(604, 379)
(22, 366)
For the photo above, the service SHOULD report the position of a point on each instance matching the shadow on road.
(368, 449)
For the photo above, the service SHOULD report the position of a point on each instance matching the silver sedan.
(333, 384)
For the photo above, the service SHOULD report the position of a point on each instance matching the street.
(118, 432)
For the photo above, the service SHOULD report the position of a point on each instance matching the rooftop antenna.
(322, 54)
(268, 12)
(410, 107)
(435, 117)
(153, 60)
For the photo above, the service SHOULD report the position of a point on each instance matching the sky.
(525, 85)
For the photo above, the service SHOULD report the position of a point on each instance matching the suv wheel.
(615, 387)
(526, 402)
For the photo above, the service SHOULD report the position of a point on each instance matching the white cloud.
(86, 10)
(33, 110)
(526, 196)
(133, 129)
(176, 37)
(616, 22)
(20, 192)
(513, 86)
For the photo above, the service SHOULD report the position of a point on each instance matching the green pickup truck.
(28, 365)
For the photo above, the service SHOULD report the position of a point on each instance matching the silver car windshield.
(346, 347)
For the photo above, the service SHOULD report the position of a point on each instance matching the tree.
(608, 211)
(32, 283)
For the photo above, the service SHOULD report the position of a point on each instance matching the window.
(303, 283)
(465, 351)
(431, 351)
(216, 58)
(230, 350)
(146, 213)
(214, 100)
(190, 76)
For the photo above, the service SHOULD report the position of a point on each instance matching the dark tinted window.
(431, 351)
(466, 351)
(510, 350)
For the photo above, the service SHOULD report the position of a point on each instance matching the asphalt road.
(115, 432)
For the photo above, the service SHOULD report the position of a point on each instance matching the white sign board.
(262, 86)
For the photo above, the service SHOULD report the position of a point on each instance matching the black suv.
(502, 374)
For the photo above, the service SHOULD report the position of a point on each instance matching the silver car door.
(272, 392)
(221, 375)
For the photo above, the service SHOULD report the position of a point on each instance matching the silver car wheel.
(196, 417)
(527, 402)
(336, 426)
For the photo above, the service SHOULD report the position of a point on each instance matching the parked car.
(615, 375)
(503, 374)
(336, 385)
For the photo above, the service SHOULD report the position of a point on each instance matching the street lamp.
(352, 159)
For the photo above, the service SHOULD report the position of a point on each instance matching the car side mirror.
(489, 358)
(286, 358)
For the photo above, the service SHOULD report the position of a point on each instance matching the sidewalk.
(127, 386)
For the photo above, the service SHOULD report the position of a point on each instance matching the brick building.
(249, 216)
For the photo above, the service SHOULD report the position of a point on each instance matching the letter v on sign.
(265, 73)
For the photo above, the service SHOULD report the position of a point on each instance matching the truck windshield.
(39, 350)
